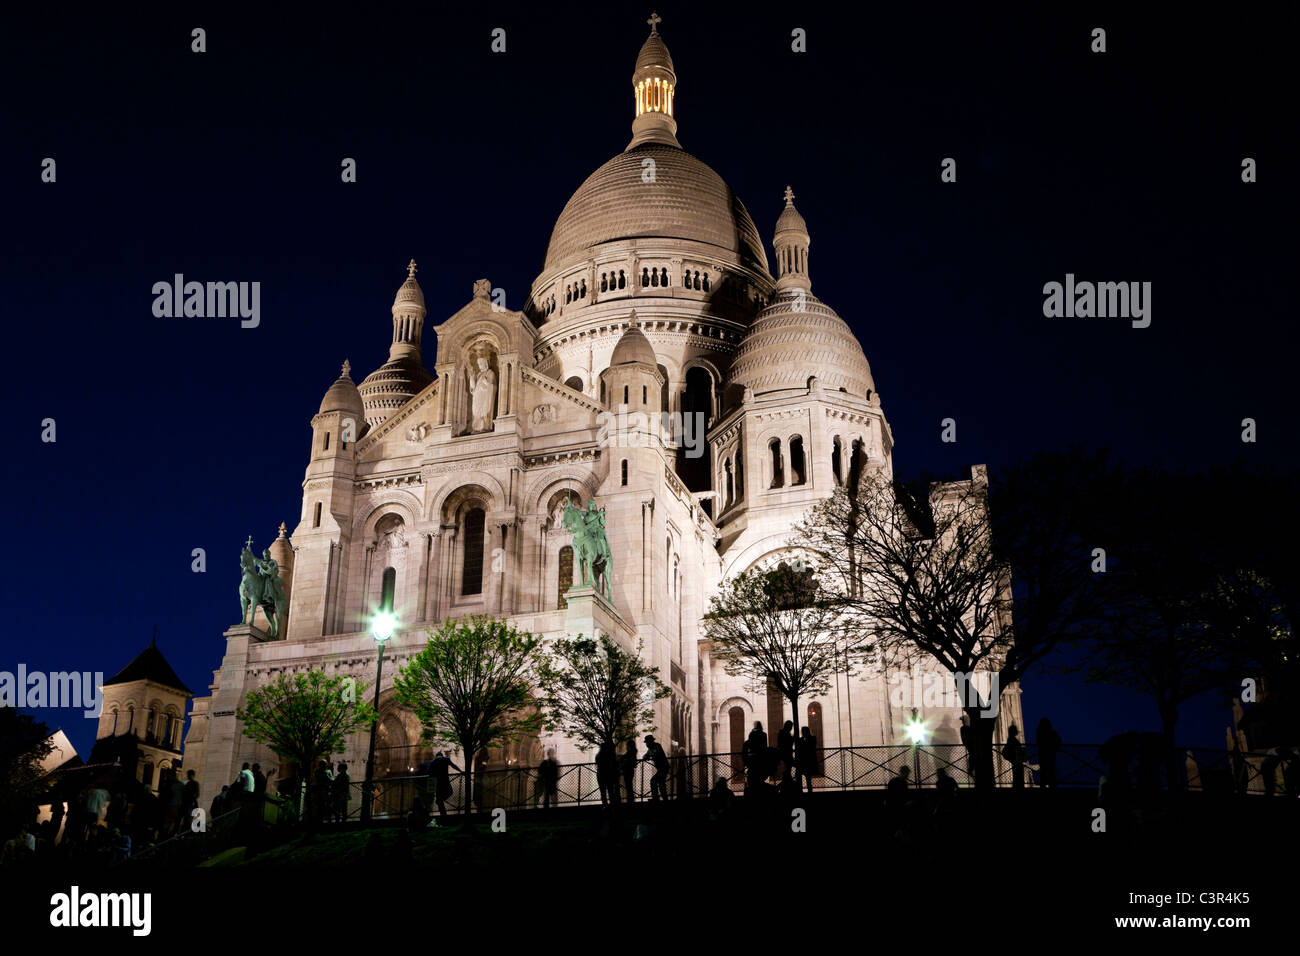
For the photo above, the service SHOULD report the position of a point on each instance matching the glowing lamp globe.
(382, 625)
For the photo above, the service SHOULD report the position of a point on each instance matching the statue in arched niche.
(482, 388)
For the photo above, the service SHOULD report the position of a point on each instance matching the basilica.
(436, 484)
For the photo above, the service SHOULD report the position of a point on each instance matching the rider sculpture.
(590, 546)
(260, 586)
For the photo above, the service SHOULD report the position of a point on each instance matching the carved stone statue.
(591, 546)
(542, 414)
(482, 393)
(260, 586)
(418, 432)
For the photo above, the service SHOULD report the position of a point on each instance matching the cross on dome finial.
(654, 22)
(789, 195)
(410, 270)
(283, 529)
(347, 367)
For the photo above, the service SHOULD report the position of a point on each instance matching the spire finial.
(631, 320)
(410, 269)
(654, 22)
(789, 195)
(154, 642)
(283, 529)
(347, 367)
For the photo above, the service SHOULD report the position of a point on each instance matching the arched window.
(471, 581)
(146, 777)
(622, 280)
(686, 278)
(654, 277)
(706, 282)
(316, 521)
(736, 728)
(574, 382)
(778, 466)
(624, 394)
(568, 294)
(855, 466)
(604, 284)
(645, 278)
(815, 728)
(565, 573)
(837, 460)
(740, 474)
(663, 277)
(624, 471)
(386, 590)
(730, 488)
(798, 474)
(327, 441)
(645, 395)
(584, 289)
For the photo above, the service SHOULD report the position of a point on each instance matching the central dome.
(685, 200)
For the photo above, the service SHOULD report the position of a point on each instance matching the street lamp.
(381, 629)
(916, 732)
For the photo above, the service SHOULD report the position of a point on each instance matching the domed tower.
(631, 388)
(282, 551)
(327, 505)
(656, 230)
(403, 376)
(341, 419)
(801, 359)
(654, 83)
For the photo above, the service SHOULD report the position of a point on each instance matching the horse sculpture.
(590, 546)
(257, 588)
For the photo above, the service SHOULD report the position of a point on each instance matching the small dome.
(790, 221)
(391, 386)
(653, 55)
(633, 346)
(795, 338)
(343, 396)
(409, 293)
(281, 550)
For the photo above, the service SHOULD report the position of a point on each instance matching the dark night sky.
(182, 433)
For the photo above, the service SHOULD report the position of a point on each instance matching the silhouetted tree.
(24, 743)
(973, 577)
(595, 692)
(777, 625)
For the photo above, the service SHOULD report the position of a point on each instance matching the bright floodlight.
(382, 625)
(916, 730)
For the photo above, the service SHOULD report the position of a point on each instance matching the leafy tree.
(472, 686)
(777, 626)
(24, 743)
(305, 717)
(595, 692)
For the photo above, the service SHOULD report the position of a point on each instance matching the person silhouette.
(785, 748)
(659, 760)
(607, 773)
(628, 764)
(754, 757)
(1013, 751)
(806, 757)
(548, 779)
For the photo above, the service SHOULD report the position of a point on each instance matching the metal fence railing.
(835, 769)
